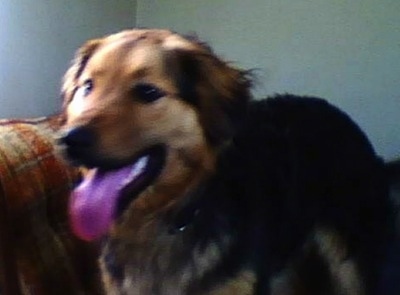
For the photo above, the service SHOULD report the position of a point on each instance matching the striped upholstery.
(29, 167)
(36, 183)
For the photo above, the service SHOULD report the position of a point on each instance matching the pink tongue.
(93, 203)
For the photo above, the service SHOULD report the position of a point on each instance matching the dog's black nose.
(78, 138)
(79, 146)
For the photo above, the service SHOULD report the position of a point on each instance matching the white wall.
(347, 51)
(37, 40)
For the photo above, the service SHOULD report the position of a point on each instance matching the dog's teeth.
(140, 165)
(137, 169)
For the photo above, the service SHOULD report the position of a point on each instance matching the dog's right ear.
(82, 56)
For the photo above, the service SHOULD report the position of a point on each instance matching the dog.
(194, 187)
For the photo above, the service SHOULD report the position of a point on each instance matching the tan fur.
(243, 284)
(331, 248)
(342, 268)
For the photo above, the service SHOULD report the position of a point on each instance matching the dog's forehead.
(137, 49)
(163, 38)
(124, 51)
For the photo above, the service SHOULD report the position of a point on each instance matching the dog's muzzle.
(78, 144)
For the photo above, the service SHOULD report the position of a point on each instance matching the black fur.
(298, 163)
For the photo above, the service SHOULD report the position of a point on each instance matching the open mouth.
(104, 194)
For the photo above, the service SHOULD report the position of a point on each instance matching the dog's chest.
(162, 265)
(119, 282)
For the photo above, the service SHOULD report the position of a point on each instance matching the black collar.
(186, 212)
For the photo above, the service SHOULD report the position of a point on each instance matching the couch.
(38, 253)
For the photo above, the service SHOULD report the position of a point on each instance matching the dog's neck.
(184, 171)
(146, 231)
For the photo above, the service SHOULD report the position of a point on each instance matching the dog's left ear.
(220, 91)
(78, 64)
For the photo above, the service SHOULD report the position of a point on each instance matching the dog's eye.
(147, 93)
(83, 90)
(87, 87)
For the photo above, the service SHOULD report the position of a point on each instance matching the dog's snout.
(79, 145)
(78, 137)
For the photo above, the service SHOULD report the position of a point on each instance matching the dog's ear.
(78, 64)
(219, 91)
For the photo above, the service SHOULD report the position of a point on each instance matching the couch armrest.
(36, 184)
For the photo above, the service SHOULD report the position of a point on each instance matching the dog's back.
(302, 198)
(316, 194)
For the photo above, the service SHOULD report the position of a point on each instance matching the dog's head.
(133, 98)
